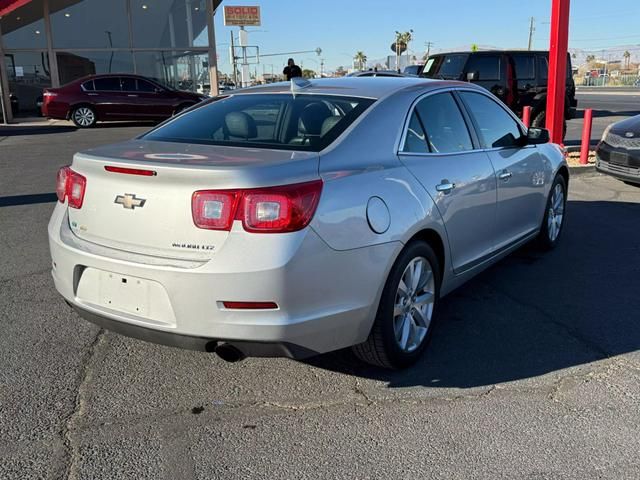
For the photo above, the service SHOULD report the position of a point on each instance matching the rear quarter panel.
(362, 164)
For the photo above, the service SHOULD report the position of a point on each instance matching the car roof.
(369, 87)
(482, 52)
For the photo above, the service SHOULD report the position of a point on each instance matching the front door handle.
(445, 186)
(131, 95)
(505, 175)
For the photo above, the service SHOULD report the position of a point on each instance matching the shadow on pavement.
(34, 130)
(14, 200)
(534, 313)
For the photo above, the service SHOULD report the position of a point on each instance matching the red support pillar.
(557, 68)
(526, 116)
(586, 137)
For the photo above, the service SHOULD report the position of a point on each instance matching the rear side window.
(88, 86)
(496, 128)
(107, 84)
(144, 86)
(487, 66)
(543, 67)
(525, 67)
(415, 140)
(445, 128)
(276, 121)
(128, 84)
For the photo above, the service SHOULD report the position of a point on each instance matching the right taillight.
(281, 209)
(70, 185)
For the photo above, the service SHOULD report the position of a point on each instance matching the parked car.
(518, 77)
(376, 73)
(291, 220)
(618, 153)
(115, 97)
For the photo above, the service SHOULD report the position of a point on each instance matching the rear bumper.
(326, 299)
(202, 344)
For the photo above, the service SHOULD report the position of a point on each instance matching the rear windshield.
(279, 121)
(446, 66)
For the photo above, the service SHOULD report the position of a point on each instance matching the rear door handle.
(92, 94)
(505, 175)
(445, 186)
(132, 95)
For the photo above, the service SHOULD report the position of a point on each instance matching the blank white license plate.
(124, 293)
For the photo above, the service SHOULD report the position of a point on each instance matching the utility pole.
(233, 61)
(532, 29)
(428, 45)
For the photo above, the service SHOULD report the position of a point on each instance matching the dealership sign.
(241, 16)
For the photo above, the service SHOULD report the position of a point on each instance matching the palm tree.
(402, 39)
(627, 59)
(360, 60)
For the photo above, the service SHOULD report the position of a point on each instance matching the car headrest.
(240, 124)
(328, 124)
(312, 118)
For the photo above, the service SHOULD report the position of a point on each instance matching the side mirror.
(537, 136)
(473, 76)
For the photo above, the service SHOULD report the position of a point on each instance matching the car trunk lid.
(151, 213)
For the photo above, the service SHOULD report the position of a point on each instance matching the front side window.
(496, 128)
(444, 125)
(108, 84)
(486, 66)
(275, 121)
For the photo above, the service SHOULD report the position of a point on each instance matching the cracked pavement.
(533, 370)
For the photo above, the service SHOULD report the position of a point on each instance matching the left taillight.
(280, 209)
(70, 185)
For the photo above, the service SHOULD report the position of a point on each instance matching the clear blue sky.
(343, 27)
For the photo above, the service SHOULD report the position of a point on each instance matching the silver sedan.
(299, 218)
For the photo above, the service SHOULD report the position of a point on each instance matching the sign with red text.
(241, 16)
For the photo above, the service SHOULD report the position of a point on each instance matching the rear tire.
(554, 215)
(405, 317)
(539, 121)
(84, 116)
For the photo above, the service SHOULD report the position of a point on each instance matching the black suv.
(517, 77)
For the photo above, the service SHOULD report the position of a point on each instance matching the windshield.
(446, 66)
(276, 121)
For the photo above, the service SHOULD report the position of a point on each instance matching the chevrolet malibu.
(296, 219)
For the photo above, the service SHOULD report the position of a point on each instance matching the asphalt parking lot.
(533, 371)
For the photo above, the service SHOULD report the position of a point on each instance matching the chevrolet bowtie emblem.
(129, 200)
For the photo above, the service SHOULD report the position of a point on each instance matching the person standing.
(291, 70)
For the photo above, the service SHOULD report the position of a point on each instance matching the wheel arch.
(564, 172)
(435, 241)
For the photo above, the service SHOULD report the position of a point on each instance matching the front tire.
(84, 117)
(404, 321)
(554, 215)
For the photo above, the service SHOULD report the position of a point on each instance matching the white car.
(299, 219)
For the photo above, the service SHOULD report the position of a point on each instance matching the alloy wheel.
(84, 116)
(414, 304)
(556, 213)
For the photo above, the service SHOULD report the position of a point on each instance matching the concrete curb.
(580, 171)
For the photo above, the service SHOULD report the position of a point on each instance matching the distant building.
(50, 43)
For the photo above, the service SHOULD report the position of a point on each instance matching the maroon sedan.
(114, 97)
